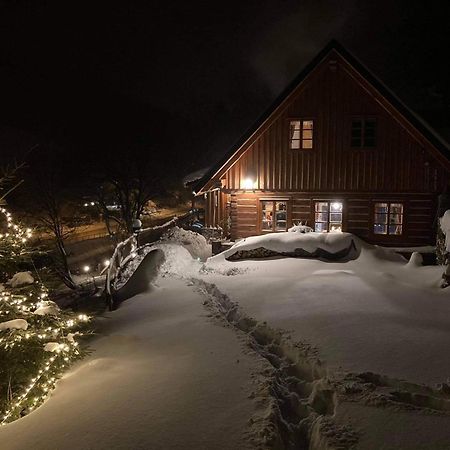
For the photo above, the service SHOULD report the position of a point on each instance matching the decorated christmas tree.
(38, 340)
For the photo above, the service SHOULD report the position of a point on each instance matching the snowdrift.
(141, 276)
(325, 246)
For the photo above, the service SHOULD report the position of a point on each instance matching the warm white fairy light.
(40, 330)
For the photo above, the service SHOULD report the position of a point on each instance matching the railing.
(125, 249)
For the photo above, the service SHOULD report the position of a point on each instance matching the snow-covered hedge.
(328, 246)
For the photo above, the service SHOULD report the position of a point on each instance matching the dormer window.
(301, 134)
(363, 133)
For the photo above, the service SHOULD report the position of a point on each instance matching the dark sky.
(189, 77)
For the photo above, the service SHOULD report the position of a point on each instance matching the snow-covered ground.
(375, 313)
(162, 375)
(264, 353)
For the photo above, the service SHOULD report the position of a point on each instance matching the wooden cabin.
(337, 150)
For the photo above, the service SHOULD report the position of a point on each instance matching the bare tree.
(51, 215)
(130, 184)
(48, 198)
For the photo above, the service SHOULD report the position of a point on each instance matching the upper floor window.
(388, 218)
(363, 132)
(301, 134)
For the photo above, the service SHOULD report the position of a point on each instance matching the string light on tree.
(36, 336)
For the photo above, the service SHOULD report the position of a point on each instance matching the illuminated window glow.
(274, 215)
(388, 219)
(328, 216)
(301, 134)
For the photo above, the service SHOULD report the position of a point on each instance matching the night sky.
(187, 78)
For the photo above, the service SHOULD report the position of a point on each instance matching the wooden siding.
(400, 162)
(358, 214)
(402, 167)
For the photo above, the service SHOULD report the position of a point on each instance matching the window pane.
(395, 218)
(321, 217)
(395, 229)
(336, 207)
(295, 125)
(294, 134)
(281, 216)
(322, 206)
(307, 125)
(320, 227)
(306, 143)
(381, 218)
(307, 134)
(369, 142)
(267, 214)
(381, 208)
(379, 229)
(335, 226)
(397, 208)
(369, 132)
(336, 217)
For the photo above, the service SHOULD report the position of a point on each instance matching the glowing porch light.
(106, 262)
(248, 183)
(86, 269)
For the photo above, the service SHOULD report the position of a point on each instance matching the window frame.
(363, 120)
(328, 222)
(301, 139)
(388, 236)
(260, 214)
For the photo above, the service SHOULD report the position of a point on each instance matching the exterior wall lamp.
(249, 184)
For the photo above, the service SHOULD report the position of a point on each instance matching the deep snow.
(162, 375)
(376, 313)
(165, 374)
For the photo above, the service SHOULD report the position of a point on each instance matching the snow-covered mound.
(445, 226)
(193, 242)
(20, 279)
(300, 229)
(328, 246)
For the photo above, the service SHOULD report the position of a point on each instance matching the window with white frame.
(388, 218)
(328, 216)
(274, 215)
(301, 134)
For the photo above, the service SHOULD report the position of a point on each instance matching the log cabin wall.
(401, 167)
(419, 213)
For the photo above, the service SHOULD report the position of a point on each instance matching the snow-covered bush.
(327, 246)
(194, 243)
(20, 279)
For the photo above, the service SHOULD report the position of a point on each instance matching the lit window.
(328, 216)
(301, 134)
(363, 133)
(274, 215)
(388, 219)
